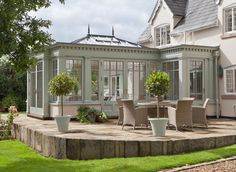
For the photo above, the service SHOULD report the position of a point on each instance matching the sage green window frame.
(37, 85)
(172, 68)
(196, 77)
(113, 79)
(74, 67)
(95, 80)
(136, 80)
(55, 71)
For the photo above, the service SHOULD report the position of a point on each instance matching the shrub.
(102, 117)
(87, 114)
(82, 114)
(6, 126)
(12, 100)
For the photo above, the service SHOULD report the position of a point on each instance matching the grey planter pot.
(158, 126)
(62, 123)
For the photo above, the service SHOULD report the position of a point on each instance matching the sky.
(70, 21)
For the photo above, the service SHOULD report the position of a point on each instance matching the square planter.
(158, 126)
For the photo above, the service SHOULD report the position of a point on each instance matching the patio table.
(152, 106)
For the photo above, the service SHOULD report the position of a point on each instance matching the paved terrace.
(96, 141)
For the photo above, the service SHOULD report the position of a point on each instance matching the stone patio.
(97, 141)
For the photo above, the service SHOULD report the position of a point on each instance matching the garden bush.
(90, 115)
(6, 126)
(12, 100)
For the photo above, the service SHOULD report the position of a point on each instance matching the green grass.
(17, 157)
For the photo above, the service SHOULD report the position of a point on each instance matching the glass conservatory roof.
(106, 40)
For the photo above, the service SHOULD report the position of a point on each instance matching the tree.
(22, 34)
(12, 87)
(157, 84)
(61, 85)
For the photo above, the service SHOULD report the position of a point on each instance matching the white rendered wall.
(164, 16)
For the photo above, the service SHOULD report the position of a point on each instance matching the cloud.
(70, 21)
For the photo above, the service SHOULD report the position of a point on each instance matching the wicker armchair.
(134, 116)
(121, 114)
(200, 113)
(181, 116)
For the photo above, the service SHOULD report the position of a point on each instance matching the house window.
(136, 80)
(94, 80)
(163, 35)
(196, 79)
(37, 85)
(230, 80)
(172, 68)
(74, 69)
(230, 19)
(113, 80)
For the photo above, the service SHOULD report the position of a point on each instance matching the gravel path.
(224, 165)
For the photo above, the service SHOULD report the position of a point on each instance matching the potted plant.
(61, 85)
(157, 84)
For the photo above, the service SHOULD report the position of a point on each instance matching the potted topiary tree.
(61, 85)
(157, 84)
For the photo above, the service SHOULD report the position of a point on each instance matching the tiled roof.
(200, 14)
(177, 7)
(105, 40)
(146, 36)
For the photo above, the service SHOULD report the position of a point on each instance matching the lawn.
(17, 157)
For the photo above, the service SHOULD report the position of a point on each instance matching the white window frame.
(231, 68)
(161, 27)
(233, 7)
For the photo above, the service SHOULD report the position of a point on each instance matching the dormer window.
(162, 35)
(230, 19)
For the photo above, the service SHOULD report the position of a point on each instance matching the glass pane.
(74, 69)
(196, 79)
(136, 82)
(176, 85)
(94, 80)
(142, 79)
(54, 73)
(33, 90)
(229, 81)
(154, 67)
(234, 18)
(40, 66)
(228, 20)
(172, 68)
(168, 34)
(158, 43)
(39, 89)
(54, 67)
(119, 79)
(162, 36)
(113, 80)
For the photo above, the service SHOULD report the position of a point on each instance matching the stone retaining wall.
(82, 149)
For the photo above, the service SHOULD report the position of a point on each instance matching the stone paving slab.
(97, 141)
(226, 164)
